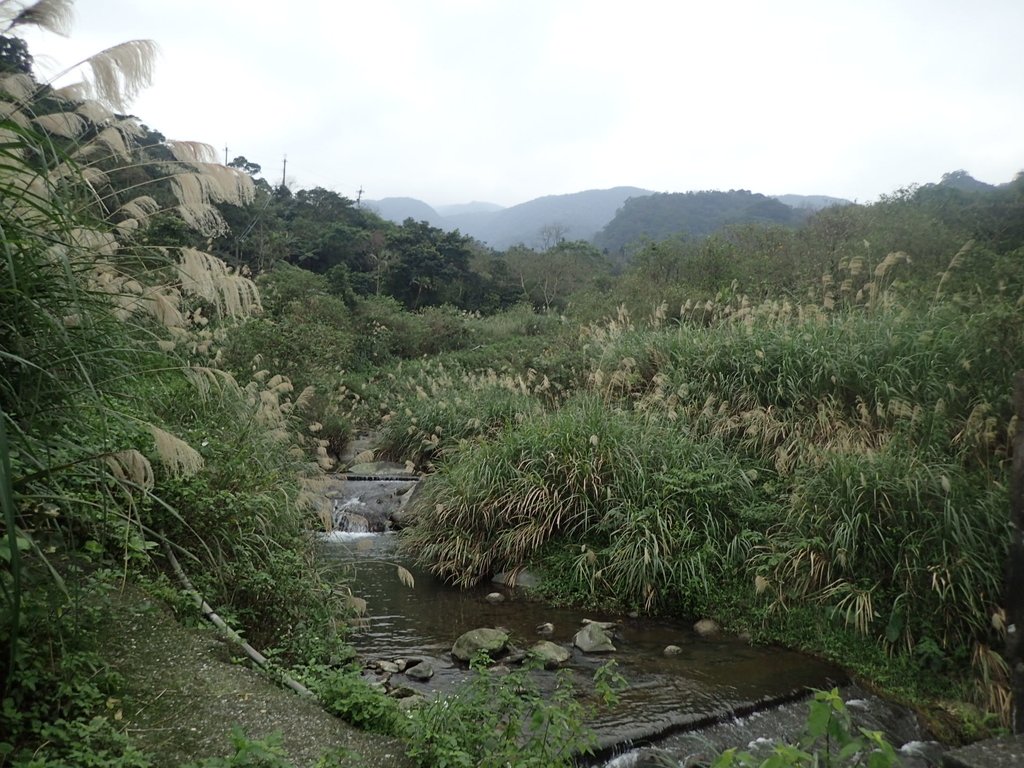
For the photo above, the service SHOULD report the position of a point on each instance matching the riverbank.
(185, 688)
(940, 704)
(184, 691)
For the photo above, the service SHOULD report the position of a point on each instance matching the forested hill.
(692, 213)
(549, 219)
(398, 209)
(811, 202)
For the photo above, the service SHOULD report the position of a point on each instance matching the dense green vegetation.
(802, 431)
(825, 465)
(119, 435)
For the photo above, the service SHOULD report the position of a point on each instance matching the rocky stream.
(691, 690)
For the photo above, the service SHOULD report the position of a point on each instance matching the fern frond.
(209, 277)
(139, 208)
(305, 398)
(80, 91)
(203, 218)
(112, 139)
(162, 303)
(206, 379)
(94, 241)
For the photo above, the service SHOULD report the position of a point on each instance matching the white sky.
(506, 100)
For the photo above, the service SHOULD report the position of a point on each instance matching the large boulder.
(411, 702)
(491, 641)
(550, 654)
(370, 502)
(1001, 752)
(593, 639)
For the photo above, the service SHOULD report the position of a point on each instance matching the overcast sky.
(506, 100)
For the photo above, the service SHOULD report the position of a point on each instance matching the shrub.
(387, 331)
(60, 700)
(493, 721)
(898, 546)
(302, 345)
(653, 510)
(346, 694)
(423, 430)
(287, 286)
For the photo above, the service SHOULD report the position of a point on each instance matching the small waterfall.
(370, 505)
(347, 516)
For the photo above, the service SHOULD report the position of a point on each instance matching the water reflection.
(709, 677)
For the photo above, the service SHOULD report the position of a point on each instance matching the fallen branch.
(231, 634)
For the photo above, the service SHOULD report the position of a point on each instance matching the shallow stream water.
(715, 688)
(708, 679)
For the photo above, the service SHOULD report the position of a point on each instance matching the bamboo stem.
(231, 634)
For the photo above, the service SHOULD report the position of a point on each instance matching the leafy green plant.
(60, 706)
(346, 694)
(117, 429)
(844, 543)
(94, 743)
(457, 410)
(267, 752)
(496, 720)
(844, 454)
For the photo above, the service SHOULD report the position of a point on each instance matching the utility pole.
(359, 196)
(225, 154)
(284, 170)
(1015, 565)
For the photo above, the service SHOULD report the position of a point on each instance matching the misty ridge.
(611, 219)
(617, 218)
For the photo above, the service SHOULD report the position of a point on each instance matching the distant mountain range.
(545, 220)
(460, 208)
